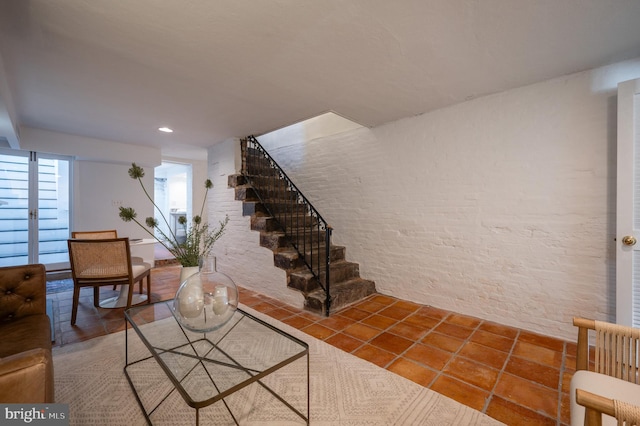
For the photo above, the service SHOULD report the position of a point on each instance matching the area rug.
(345, 390)
(59, 286)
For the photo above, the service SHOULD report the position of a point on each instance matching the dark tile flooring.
(513, 375)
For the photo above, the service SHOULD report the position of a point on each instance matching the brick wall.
(501, 208)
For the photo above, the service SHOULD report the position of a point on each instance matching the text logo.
(34, 414)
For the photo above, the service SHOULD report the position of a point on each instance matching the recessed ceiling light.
(165, 129)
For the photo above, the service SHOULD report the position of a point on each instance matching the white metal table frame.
(120, 301)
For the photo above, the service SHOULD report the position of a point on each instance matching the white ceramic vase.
(187, 271)
(192, 300)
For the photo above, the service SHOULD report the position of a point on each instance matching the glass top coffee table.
(239, 373)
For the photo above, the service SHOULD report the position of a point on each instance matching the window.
(34, 209)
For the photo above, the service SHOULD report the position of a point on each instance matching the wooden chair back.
(100, 259)
(617, 349)
(616, 354)
(95, 235)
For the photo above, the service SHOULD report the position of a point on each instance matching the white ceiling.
(214, 69)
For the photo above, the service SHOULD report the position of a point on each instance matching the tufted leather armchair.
(26, 364)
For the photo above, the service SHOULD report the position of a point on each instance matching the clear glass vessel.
(206, 300)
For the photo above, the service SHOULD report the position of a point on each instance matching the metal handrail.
(302, 224)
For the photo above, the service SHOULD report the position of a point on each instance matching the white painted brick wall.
(501, 208)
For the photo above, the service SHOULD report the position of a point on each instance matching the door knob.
(629, 240)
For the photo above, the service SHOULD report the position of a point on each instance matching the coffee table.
(209, 368)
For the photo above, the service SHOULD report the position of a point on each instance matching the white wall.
(501, 208)
(327, 124)
(100, 189)
(101, 182)
(87, 149)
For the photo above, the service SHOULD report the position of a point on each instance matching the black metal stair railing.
(303, 226)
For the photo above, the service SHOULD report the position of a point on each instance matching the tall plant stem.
(150, 233)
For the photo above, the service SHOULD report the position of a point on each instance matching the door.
(628, 205)
(34, 209)
(172, 194)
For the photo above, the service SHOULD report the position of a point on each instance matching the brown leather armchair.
(26, 363)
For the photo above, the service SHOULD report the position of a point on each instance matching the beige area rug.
(345, 390)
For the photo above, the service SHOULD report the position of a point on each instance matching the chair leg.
(130, 295)
(96, 296)
(148, 288)
(74, 308)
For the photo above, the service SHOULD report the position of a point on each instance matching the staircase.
(298, 236)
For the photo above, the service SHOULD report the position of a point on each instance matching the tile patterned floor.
(513, 375)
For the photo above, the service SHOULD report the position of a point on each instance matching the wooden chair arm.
(582, 357)
(595, 406)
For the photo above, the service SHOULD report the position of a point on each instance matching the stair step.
(304, 281)
(277, 208)
(343, 294)
(269, 183)
(292, 221)
(253, 207)
(264, 223)
(307, 239)
(282, 207)
(273, 240)
(288, 258)
(236, 180)
(245, 193)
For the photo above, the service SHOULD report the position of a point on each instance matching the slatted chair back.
(617, 350)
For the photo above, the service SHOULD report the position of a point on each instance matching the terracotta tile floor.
(513, 375)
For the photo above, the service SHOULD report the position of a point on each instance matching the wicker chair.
(101, 235)
(105, 234)
(96, 263)
(613, 386)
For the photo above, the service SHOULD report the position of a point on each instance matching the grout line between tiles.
(438, 372)
(560, 383)
(501, 372)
